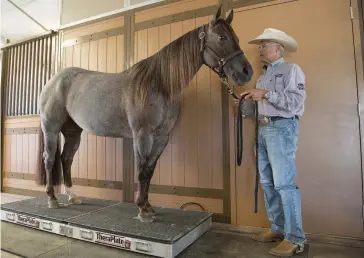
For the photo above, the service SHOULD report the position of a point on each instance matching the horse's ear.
(218, 13)
(229, 19)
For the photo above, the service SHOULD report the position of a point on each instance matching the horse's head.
(220, 50)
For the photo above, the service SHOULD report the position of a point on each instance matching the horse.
(142, 102)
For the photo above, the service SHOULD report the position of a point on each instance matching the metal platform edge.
(127, 243)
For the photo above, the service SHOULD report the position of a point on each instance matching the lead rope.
(240, 140)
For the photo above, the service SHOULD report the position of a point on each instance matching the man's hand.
(255, 94)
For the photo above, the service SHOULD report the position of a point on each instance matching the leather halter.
(221, 61)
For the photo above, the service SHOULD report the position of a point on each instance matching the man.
(280, 92)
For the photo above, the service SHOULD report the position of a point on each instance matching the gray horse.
(142, 103)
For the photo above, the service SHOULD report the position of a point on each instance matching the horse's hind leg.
(72, 135)
(49, 155)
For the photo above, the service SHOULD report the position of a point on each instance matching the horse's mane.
(169, 70)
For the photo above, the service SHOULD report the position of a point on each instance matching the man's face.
(269, 51)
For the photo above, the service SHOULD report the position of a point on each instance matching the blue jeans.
(277, 145)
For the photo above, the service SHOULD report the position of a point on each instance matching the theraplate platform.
(112, 223)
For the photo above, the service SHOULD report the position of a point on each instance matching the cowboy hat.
(277, 36)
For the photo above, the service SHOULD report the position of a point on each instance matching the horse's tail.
(41, 175)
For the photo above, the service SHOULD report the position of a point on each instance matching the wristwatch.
(267, 95)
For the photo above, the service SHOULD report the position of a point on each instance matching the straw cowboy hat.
(277, 36)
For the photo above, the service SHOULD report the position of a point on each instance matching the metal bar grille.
(30, 65)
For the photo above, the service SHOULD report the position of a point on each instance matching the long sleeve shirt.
(285, 83)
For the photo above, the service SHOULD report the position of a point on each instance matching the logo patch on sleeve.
(301, 86)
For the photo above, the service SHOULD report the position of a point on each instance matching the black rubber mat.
(39, 207)
(170, 224)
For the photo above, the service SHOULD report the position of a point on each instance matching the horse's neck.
(184, 59)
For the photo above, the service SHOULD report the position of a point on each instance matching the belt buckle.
(263, 120)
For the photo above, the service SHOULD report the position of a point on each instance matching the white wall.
(75, 10)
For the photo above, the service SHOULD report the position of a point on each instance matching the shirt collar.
(278, 61)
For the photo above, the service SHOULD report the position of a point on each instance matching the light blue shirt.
(285, 83)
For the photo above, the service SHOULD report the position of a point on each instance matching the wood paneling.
(19, 153)
(328, 156)
(192, 157)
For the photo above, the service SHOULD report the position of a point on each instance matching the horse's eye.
(222, 37)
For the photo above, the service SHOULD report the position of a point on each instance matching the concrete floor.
(27, 242)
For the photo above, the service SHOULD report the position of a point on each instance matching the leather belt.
(274, 118)
(264, 120)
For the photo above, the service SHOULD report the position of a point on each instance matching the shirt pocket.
(278, 83)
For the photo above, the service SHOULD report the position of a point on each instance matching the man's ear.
(229, 19)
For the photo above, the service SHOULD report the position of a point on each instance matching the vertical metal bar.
(32, 76)
(27, 79)
(17, 81)
(37, 73)
(25, 82)
(45, 64)
(50, 59)
(61, 52)
(22, 81)
(7, 83)
(57, 57)
(11, 84)
(4, 69)
(53, 57)
(13, 80)
(42, 68)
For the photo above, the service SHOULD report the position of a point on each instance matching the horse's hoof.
(152, 213)
(53, 204)
(145, 219)
(74, 200)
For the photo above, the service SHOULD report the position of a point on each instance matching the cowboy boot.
(267, 237)
(286, 249)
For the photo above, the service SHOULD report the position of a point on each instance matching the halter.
(221, 61)
(219, 69)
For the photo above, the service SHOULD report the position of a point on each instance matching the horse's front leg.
(142, 144)
(147, 150)
(159, 145)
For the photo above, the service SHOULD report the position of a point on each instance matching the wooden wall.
(20, 143)
(328, 159)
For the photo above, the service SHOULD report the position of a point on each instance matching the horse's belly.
(99, 112)
(103, 123)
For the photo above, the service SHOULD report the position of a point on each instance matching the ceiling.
(16, 25)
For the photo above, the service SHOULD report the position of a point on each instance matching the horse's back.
(92, 99)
